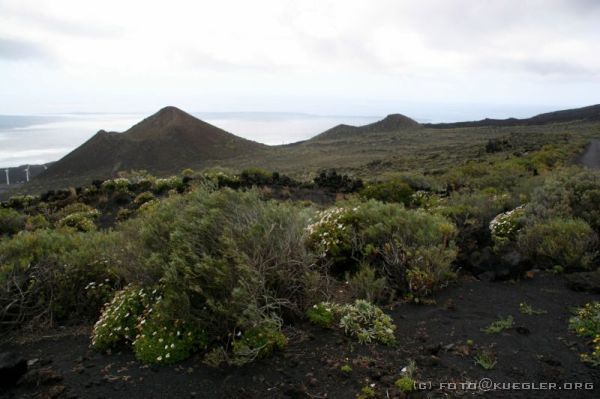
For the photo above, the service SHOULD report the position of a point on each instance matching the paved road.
(591, 156)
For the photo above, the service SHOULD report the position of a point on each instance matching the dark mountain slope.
(391, 123)
(585, 114)
(165, 142)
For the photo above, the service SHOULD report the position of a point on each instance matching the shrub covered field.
(335, 287)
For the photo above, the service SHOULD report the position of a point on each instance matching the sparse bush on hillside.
(570, 243)
(11, 221)
(80, 221)
(573, 192)
(172, 183)
(118, 184)
(394, 190)
(255, 177)
(343, 183)
(22, 201)
(143, 197)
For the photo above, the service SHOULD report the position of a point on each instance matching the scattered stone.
(487, 276)
(54, 392)
(449, 304)
(433, 349)
(585, 281)
(12, 368)
(522, 330)
(295, 392)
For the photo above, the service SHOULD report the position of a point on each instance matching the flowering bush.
(586, 323)
(164, 341)
(361, 320)
(118, 322)
(137, 317)
(330, 236)
(120, 184)
(505, 226)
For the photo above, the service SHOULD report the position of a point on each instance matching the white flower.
(159, 358)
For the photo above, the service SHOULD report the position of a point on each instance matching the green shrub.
(568, 242)
(366, 285)
(405, 384)
(163, 339)
(394, 190)
(322, 314)
(255, 177)
(124, 214)
(472, 214)
(570, 193)
(43, 275)
(81, 221)
(392, 239)
(36, 222)
(70, 209)
(343, 183)
(22, 201)
(11, 221)
(361, 320)
(144, 197)
(120, 184)
(586, 321)
(172, 183)
(366, 322)
(227, 261)
(259, 341)
(139, 318)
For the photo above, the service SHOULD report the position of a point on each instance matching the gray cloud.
(17, 50)
(61, 25)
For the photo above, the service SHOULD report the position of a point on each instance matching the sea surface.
(41, 139)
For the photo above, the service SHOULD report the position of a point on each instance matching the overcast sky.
(425, 57)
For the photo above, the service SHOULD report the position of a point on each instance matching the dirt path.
(539, 348)
(591, 156)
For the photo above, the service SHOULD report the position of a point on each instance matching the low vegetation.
(586, 323)
(209, 262)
